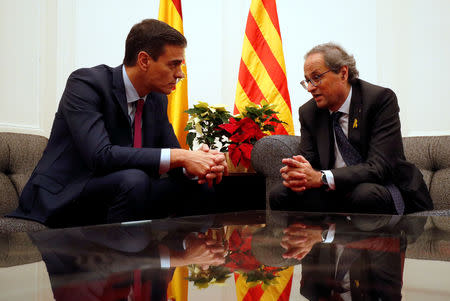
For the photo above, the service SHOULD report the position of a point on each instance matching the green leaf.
(210, 140)
(190, 139)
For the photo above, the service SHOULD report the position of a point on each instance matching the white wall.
(402, 44)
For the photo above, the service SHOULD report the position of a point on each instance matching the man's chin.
(320, 103)
(166, 91)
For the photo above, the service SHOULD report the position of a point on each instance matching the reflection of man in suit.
(111, 263)
(362, 260)
(348, 118)
(111, 140)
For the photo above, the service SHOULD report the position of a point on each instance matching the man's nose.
(180, 74)
(311, 87)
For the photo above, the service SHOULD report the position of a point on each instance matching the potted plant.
(237, 134)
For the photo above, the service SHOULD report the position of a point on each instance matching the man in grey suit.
(351, 157)
(111, 141)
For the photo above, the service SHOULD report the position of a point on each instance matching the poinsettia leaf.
(210, 140)
(235, 154)
(190, 111)
(270, 112)
(190, 139)
(188, 127)
(269, 127)
(246, 149)
(235, 241)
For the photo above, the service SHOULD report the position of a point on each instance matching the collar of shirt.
(130, 91)
(131, 94)
(345, 108)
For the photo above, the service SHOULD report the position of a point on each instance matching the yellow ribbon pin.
(355, 123)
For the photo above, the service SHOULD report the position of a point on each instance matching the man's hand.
(299, 239)
(298, 174)
(201, 249)
(205, 164)
(217, 171)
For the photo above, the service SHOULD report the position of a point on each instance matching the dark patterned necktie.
(352, 157)
(137, 142)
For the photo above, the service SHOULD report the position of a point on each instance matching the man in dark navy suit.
(111, 141)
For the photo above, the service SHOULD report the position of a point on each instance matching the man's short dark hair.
(335, 57)
(150, 36)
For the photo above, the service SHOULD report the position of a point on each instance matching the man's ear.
(143, 60)
(344, 72)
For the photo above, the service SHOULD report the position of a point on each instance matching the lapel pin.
(355, 123)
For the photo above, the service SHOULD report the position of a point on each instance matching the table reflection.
(362, 257)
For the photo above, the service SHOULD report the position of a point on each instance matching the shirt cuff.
(164, 164)
(330, 179)
(192, 177)
(164, 255)
(330, 234)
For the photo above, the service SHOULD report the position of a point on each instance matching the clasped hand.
(208, 165)
(298, 174)
(205, 250)
(299, 239)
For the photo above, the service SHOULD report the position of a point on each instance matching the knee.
(134, 181)
(370, 198)
(364, 192)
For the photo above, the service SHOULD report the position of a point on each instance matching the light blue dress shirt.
(132, 97)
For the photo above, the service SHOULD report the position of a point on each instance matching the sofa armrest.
(268, 153)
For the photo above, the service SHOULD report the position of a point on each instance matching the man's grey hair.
(335, 57)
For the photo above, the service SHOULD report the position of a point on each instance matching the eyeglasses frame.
(315, 82)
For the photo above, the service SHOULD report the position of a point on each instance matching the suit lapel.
(119, 90)
(355, 119)
(324, 138)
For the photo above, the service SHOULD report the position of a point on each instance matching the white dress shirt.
(339, 161)
(343, 122)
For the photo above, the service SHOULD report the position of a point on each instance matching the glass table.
(255, 255)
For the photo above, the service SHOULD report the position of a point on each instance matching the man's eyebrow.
(314, 73)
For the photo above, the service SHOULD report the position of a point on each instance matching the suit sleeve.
(81, 106)
(385, 146)
(307, 143)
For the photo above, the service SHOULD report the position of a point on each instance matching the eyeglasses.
(315, 81)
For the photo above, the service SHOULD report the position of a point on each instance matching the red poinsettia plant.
(248, 127)
(239, 260)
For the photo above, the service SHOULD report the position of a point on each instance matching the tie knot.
(140, 103)
(336, 115)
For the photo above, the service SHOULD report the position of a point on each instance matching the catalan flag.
(275, 292)
(262, 71)
(170, 13)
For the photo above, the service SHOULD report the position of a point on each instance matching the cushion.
(12, 225)
(19, 154)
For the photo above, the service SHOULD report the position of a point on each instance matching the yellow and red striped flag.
(170, 13)
(280, 291)
(177, 288)
(262, 71)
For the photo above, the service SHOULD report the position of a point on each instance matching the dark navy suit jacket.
(92, 135)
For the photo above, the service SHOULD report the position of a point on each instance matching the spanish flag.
(262, 71)
(170, 13)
